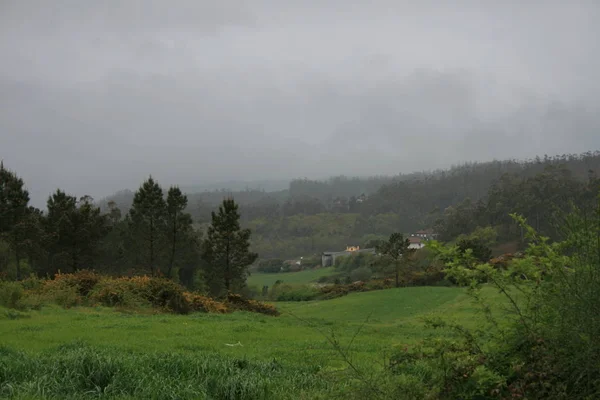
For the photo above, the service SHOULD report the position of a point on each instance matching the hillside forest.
(154, 230)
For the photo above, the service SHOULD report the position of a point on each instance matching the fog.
(95, 96)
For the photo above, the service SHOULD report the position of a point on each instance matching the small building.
(416, 242)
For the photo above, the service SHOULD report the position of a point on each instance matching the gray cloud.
(94, 96)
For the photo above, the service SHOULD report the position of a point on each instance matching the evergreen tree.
(75, 229)
(226, 250)
(179, 227)
(14, 227)
(395, 253)
(147, 223)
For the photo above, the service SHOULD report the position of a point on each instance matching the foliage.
(361, 274)
(351, 262)
(237, 302)
(293, 292)
(395, 253)
(147, 224)
(64, 292)
(200, 303)
(135, 293)
(73, 229)
(546, 347)
(11, 294)
(272, 265)
(478, 249)
(302, 277)
(180, 236)
(14, 215)
(226, 251)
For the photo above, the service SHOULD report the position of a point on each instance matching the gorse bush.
(200, 303)
(89, 288)
(237, 302)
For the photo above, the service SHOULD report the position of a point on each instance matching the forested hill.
(417, 193)
(312, 216)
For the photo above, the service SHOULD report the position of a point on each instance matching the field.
(258, 280)
(86, 352)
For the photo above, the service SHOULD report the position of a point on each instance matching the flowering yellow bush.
(205, 304)
(237, 302)
(90, 288)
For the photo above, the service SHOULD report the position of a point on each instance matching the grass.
(87, 352)
(259, 280)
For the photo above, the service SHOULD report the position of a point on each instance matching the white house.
(416, 242)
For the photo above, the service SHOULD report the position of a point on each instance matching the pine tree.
(226, 250)
(75, 229)
(14, 199)
(179, 226)
(147, 222)
(396, 252)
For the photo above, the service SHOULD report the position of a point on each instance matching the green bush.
(546, 346)
(167, 294)
(288, 292)
(63, 294)
(11, 295)
(117, 293)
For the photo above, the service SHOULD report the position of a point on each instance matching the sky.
(96, 96)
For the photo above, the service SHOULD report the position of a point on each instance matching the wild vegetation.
(504, 305)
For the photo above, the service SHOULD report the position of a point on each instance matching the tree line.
(417, 198)
(156, 236)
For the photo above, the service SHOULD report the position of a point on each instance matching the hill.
(314, 216)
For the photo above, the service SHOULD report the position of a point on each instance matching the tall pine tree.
(14, 212)
(396, 253)
(179, 227)
(226, 251)
(147, 223)
(75, 229)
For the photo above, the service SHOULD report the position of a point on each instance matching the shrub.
(32, 282)
(141, 290)
(117, 293)
(270, 265)
(361, 274)
(287, 292)
(333, 291)
(239, 303)
(205, 304)
(11, 294)
(83, 280)
(62, 292)
(167, 294)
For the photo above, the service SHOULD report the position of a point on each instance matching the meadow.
(258, 280)
(90, 352)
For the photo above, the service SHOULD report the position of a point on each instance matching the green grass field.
(137, 346)
(259, 280)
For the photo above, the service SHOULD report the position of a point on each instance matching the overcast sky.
(97, 95)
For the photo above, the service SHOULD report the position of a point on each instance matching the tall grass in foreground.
(78, 371)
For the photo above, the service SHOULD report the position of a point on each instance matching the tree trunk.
(397, 275)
